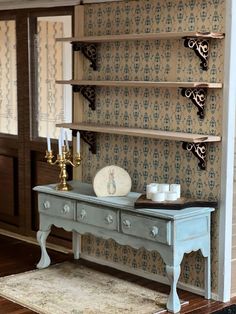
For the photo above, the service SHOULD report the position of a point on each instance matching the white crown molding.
(23, 4)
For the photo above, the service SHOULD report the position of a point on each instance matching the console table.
(170, 232)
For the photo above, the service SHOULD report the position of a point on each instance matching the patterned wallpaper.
(149, 160)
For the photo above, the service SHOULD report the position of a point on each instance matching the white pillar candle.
(66, 139)
(158, 197)
(171, 196)
(164, 187)
(48, 144)
(176, 188)
(59, 146)
(151, 188)
(62, 135)
(78, 143)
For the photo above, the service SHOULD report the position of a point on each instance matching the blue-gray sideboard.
(170, 232)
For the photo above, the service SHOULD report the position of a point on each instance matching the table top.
(84, 192)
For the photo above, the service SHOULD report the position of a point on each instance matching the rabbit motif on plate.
(111, 184)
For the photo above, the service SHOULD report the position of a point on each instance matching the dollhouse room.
(117, 132)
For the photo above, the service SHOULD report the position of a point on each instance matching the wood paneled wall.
(8, 185)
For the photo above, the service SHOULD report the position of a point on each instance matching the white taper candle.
(62, 135)
(59, 146)
(48, 144)
(66, 139)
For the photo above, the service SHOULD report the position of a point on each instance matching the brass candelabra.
(63, 159)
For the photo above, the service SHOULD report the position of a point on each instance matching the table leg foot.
(173, 303)
(207, 277)
(45, 259)
(76, 242)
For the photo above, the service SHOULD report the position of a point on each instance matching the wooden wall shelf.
(195, 91)
(144, 84)
(150, 133)
(143, 36)
(198, 41)
(195, 143)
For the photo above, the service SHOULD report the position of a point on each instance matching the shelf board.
(141, 84)
(143, 36)
(150, 133)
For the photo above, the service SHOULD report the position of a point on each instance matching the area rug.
(69, 288)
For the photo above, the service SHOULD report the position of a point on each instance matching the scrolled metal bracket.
(89, 138)
(199, 151)
(88, 93)
(88, 50)
(198, 97)
(201, 48)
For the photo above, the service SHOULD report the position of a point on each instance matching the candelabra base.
(63, 187)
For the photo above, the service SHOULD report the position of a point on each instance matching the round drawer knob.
(66, 209)
(126, 223)
(109, 219)
(46, 204)
(154, 232)
(83, 214)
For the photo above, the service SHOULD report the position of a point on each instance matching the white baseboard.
(144, 274)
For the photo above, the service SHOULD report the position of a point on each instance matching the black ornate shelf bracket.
(89, 51)
(89, 138)
(88, 93)
(199, 151)
(198, 97)
(201, 48)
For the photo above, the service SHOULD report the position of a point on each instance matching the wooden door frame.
(25, 142)
(9, 141)
(36, 143)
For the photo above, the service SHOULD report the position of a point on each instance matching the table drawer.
(154, 229)
(97, 216)
(57, 206)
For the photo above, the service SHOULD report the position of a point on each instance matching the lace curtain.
(54, 100)
(8, 82)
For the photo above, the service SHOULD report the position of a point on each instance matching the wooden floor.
(18, 256)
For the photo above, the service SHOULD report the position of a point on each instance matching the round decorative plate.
(112, 181)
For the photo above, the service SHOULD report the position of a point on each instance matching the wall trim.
(227, 165)
(147, 275)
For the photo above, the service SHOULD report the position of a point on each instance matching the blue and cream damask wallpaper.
(149, 160)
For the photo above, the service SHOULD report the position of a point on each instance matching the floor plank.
(18, 256)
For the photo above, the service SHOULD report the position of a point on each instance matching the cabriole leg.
(173, 303)
(45, 259)
(76, 243)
